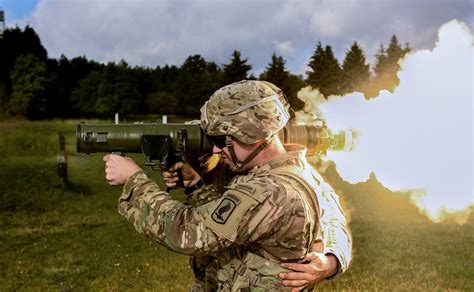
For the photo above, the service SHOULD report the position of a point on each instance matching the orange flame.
(210, 162)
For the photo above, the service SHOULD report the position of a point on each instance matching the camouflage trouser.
(205, 274)
(252, 273)
(255, 273)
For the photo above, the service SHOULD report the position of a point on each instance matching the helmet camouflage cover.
(247, 110)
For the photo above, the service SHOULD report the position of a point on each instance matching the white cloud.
(158, 32)
(285, 48)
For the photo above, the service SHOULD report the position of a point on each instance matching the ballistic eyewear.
(218, 141)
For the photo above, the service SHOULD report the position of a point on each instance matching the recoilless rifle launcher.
(165, 144)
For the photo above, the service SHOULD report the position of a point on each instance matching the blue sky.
(18, 9)
(159, 32)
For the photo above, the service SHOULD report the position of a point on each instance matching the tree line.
(37, 87)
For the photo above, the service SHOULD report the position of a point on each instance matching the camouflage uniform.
(271, 214)
(264, 218)
(252, 111)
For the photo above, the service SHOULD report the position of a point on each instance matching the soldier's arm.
(331, 252)
(335, 233)
(193, 231)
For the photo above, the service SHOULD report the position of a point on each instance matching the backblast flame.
(210, 162)
(420, 136)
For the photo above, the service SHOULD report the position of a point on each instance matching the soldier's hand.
(318, 268)
(118, 169)
(171, 177)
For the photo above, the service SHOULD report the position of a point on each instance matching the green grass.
(57, 236)
(70, 237)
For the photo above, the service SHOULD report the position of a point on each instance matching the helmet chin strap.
(239, 164)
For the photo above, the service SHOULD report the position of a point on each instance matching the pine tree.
(290, 87)
(356, 73)
(394, 54)
(326, 73)
(387, 67)
(197, 81)
(394, 51)
(380, 62)
(407, 49)
(237, 69)
(277, 74)
(378, 81)
(334, 74)
(317, 65)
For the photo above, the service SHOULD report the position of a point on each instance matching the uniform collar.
(294, 156)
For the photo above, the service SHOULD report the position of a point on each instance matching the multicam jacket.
(262, 219)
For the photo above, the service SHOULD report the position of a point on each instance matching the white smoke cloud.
(421, 136)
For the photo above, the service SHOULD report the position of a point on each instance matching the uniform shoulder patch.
(244, 188)
(256, 190)
(226, 215)
(224, 210)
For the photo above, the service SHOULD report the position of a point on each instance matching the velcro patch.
(244, 188)
(258, 192)
(223, 211)
(232, 197)
(224, 216)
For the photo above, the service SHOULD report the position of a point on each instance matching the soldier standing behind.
(273, 211)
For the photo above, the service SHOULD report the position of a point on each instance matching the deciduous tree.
(196, 82)
(16, 42)
(30, 81)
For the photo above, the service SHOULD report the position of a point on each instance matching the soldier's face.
(242, 151)
(220, 148)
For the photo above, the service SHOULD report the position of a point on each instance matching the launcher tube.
(127, 138)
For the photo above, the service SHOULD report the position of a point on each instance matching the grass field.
(69, 237)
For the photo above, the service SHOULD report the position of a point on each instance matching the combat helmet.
(247, 110)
